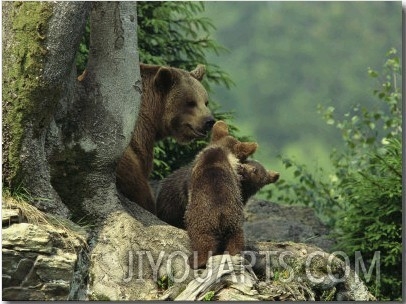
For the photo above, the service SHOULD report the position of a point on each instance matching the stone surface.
(296, 272)
(268, 221)
(27, 237)
(38, 260)
(138, 257)
(133, 253)
(10, 216)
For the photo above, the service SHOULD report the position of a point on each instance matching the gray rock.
(57, 267)
(300, 272)
(22, 294)
(133, 253)
(38, 262)
(267, 221)
(27, 237)
(10, 216)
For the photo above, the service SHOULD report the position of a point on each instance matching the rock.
(133, 253)
(27, 237)
(51, 268)
(10, 216)
(306, 272)
(39, 259)
(138, 257)
(297, 272)
(267, 221)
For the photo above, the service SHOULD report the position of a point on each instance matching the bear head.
(186, 113)
(221, 137)
(254, 173)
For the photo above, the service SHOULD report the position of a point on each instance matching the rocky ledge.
(39, 258)
(47, 258)
(268, 221)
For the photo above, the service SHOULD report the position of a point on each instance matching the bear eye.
(191, 103)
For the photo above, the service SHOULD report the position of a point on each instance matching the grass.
(72, 236)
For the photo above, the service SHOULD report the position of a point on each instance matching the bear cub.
(214, 213)
(172, 198)
(253, 177)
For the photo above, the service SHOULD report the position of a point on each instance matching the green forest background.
(287, 58)
(317, 85)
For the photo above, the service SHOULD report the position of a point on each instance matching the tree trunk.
(102, 115)
(40, 40)
(64, 137)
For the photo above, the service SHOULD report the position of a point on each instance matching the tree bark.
(102, 115)
(64, 137)
(39, 44)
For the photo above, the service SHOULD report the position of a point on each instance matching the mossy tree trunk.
(63, 137)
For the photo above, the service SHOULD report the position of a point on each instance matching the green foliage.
(209, 296)
(83, 52)
(362, 200)
(288, 56)
(175, 34)
(165, 282)
(308, 188)
(372, 220)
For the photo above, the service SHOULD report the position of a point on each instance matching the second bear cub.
(172, 198)
(253, 177)
(214, 214)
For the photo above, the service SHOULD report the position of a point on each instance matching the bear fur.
(214, 214)
(173, 103)
(172, 198)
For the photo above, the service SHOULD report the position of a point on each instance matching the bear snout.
(208, 124)
(273, 176)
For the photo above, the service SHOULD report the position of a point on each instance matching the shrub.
(362, 199)
(373, 219)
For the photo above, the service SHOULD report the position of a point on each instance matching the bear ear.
(244, 149)
(164, 78)
(198, 72)
(219, 130)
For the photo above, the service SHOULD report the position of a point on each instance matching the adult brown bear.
(174, 103)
